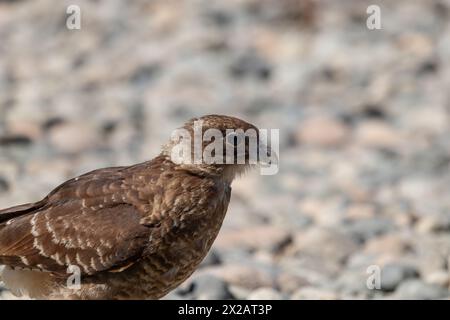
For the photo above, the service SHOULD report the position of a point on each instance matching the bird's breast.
(183, 249)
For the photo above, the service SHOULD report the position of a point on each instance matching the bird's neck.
(225, 172)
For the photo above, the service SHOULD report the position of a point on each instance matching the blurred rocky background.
(363, 114)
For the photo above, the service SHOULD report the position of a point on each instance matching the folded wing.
(92, 222)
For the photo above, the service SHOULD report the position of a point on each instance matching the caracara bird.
(134, 232)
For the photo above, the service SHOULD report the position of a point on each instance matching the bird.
(133, 232)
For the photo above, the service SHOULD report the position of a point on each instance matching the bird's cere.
(228, 146)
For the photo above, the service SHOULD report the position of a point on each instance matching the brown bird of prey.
(132, 232)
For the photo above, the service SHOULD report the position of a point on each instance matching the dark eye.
(234, 138)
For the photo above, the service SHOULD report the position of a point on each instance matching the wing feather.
(92, 221)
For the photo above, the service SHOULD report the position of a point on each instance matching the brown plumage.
(135, 232)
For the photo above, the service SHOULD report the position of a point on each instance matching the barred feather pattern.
(135, 232)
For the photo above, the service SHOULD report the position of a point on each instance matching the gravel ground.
(364, 118)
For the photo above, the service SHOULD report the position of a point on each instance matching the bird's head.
(218, 145)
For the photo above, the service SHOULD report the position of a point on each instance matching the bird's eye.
(234, 138)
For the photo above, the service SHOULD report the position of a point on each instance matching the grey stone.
(265, 294)
(394, 274)
(211, 259)
(4, 185)
(251, 64)
(365, 229)
(352, 283)
(312, 293)
(207, 287)
(419, 290)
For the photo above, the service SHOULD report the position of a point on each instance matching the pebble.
(339, 246)
(395, 244)
(242, 275)
(270, 238)
(354, 283)
(433, 223)
(440, 278)
(419, 290)
(312, 293)
(73, 138)
(251, 65)
(289, 282)
(29, 129)
(208, 287)
(394, 274)
(323, 132)
(365, 229)
(4, 185)
(377, 134)
(211, 259)
(265, 294)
